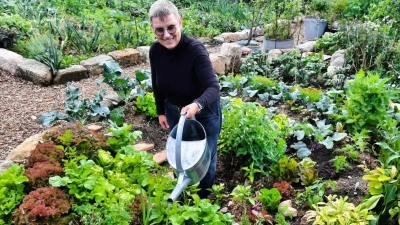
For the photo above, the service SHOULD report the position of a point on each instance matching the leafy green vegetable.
(270, 198)
(11, 189)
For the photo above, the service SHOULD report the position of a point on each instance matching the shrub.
(45, 152)
(40, 173)
(247, 131)
(284, 188)
(44, 206)
(367, 101)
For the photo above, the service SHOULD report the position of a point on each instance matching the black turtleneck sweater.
(182, 75)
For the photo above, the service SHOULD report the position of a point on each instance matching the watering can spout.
(183, 182)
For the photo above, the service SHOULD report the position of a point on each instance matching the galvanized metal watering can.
(188, 154)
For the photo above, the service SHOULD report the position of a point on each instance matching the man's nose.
(166, 34)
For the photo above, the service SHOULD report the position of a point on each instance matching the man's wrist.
(199, 105)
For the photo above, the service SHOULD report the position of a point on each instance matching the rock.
(231, 37)
(304, 219)
(232, 53)
(144, 53)
(34, 71)
(258, 31)
(331, 70)
(143, 147)
(160, 157)
(244, 34)
(246, 51)
(394, 105)
(306, 47)
(73, 73)
(259, 38)
(219, 39)
(326, 57)
(113, 97)
(288, 212)
(223, 210)
(273, 54)
(338, 62)
(107, 103)
(171, 174)
(5, 164)
(93, 66)
(286, 203)
(127, 57)
(338, 54)
(218, 63)
(288, 50)
(23, 150)
(9, 60)
(94, 127)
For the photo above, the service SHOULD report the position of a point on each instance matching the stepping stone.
(143, 147)
(160, 157)
(94, 127)
(171, 174)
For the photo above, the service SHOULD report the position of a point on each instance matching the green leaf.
(390, 193)
(111, 67)
(49, 117)
(338, 136)
(370, 202)
(328, 142)
(117, 115)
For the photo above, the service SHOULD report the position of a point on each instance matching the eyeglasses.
(171, 29)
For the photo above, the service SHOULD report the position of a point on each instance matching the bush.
(40, 173)
(247, 131)
(44, 206)
(45, 152)
(367, 102)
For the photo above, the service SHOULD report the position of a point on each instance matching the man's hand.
(162, 119)
(190, 110)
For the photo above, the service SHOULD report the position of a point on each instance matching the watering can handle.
(178, 157)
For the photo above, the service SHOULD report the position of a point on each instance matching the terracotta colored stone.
(143, 146)
(160, 157)
(94, 127)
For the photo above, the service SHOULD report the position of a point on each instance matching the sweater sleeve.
(159, 97)
(206, 76)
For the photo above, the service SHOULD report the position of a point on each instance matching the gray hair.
(163, 8)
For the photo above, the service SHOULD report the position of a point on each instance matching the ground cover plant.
(286, 133)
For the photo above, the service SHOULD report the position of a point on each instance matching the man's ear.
(180, 21)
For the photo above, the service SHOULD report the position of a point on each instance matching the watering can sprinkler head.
(183, 182)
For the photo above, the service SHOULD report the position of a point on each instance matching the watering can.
(188, 154)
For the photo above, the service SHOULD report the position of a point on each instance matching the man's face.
(167, 30)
